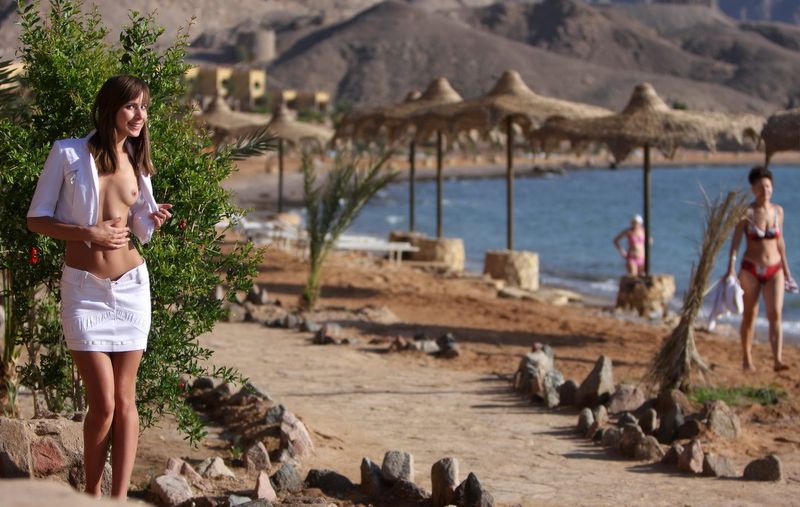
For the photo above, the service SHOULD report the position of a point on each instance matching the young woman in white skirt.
(92, 193)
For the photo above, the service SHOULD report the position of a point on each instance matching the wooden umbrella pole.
(280, 175)
(646, 209)
(509, 184)
(412, 162)
(439, 183)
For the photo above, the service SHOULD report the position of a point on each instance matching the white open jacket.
(69, 190)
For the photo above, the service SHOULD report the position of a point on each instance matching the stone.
(214, 467)
(597, 436)
(768, 468)
(170, 490)
(691, 459)
(648, 449)
(15, 449)
(716, 465)
(397, 465)
(646, 295)
(259, 502)
(597, 386)
(691, 428)
(470, 493)
(649, 421)
(47, 457)
(566, 392)
(531, 372)
(236, 313)
(309, 326)
(329, 482)
(264, 487)
(600, 414)
(668, 401)
(77, 478)
(287, 479)
(585, 420)
(612, 437)
(408, 491)
(627, 418)
(552, 380)
(626, 398)
(671, 419)
(203, 383)
(192, 476)
(371, 478)
(258, 295)
(234, 500)
(631, 436)
(274, 415)
(294, 433)
(448, 347)
(256, 458)
(722, 420)
(444, 480)
(291, 321)
(592, 430)
(515, 267)
(174, 466)
(329, 333)
(673, 454)
(446, 251)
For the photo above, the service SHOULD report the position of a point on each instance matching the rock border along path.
(358, 403)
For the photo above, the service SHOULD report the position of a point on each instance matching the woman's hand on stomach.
(109, 235)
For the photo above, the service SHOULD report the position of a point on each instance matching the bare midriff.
(764, 252)
(117, 193)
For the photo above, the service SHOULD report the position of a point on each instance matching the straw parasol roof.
(781, 132)
(219, 116)
(510, 98)
(288, 129)
(394, 117)
(648, 120)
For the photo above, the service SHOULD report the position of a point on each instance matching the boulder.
(612, 437)
(673, 454)
(649, 421)
(448, 347)
(585, 420)
(274, 415)
(174, 466)
(722, 420)
(256, 457)
(626, 398)
(444, 480)
(15, 449)
(203, 383)
(600, 414)
(515, 267)
(287, 479)
(170, 490)
(691, 428)
(716, 465)
(409, 492)
(329, 482)
(566, 392)
(648, 449)
(213, 468)
(371, 478)
(631, 436)
(397, 465)
(264, 489)
(768, 468)
(668, 401)
(294, 433)
(470, 493)
(552, 380)
(647, 295)
(597, 386)
(627, 418)
(691, 459)
(47, 457)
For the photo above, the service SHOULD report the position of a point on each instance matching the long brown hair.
(115, 93)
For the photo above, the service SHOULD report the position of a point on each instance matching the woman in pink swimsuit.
(634, 255)
(764, 266)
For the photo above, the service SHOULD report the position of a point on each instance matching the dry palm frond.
(253, 144)
(673, 365)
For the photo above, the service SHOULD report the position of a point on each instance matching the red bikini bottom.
(762, 273)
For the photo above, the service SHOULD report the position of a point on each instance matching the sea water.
(571, 219)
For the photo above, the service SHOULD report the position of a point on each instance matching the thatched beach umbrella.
(288, 130)
(781, 132)
(647, 122)
(220, 118)
(393, 119)
(509, 102)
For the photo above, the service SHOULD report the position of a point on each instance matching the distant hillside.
(377, 56)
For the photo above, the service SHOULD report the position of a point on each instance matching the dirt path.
(361, 403)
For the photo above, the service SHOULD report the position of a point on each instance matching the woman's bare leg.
(125, 432)
(752, 288)
(773, 303)
(633, 269)
(98, 377)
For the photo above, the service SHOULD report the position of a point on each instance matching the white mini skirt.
(103, 315)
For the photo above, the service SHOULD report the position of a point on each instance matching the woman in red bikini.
(634, 255)
(765, 267)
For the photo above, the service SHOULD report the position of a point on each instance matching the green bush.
(66, 60)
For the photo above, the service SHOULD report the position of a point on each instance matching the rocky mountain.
(367, 51)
